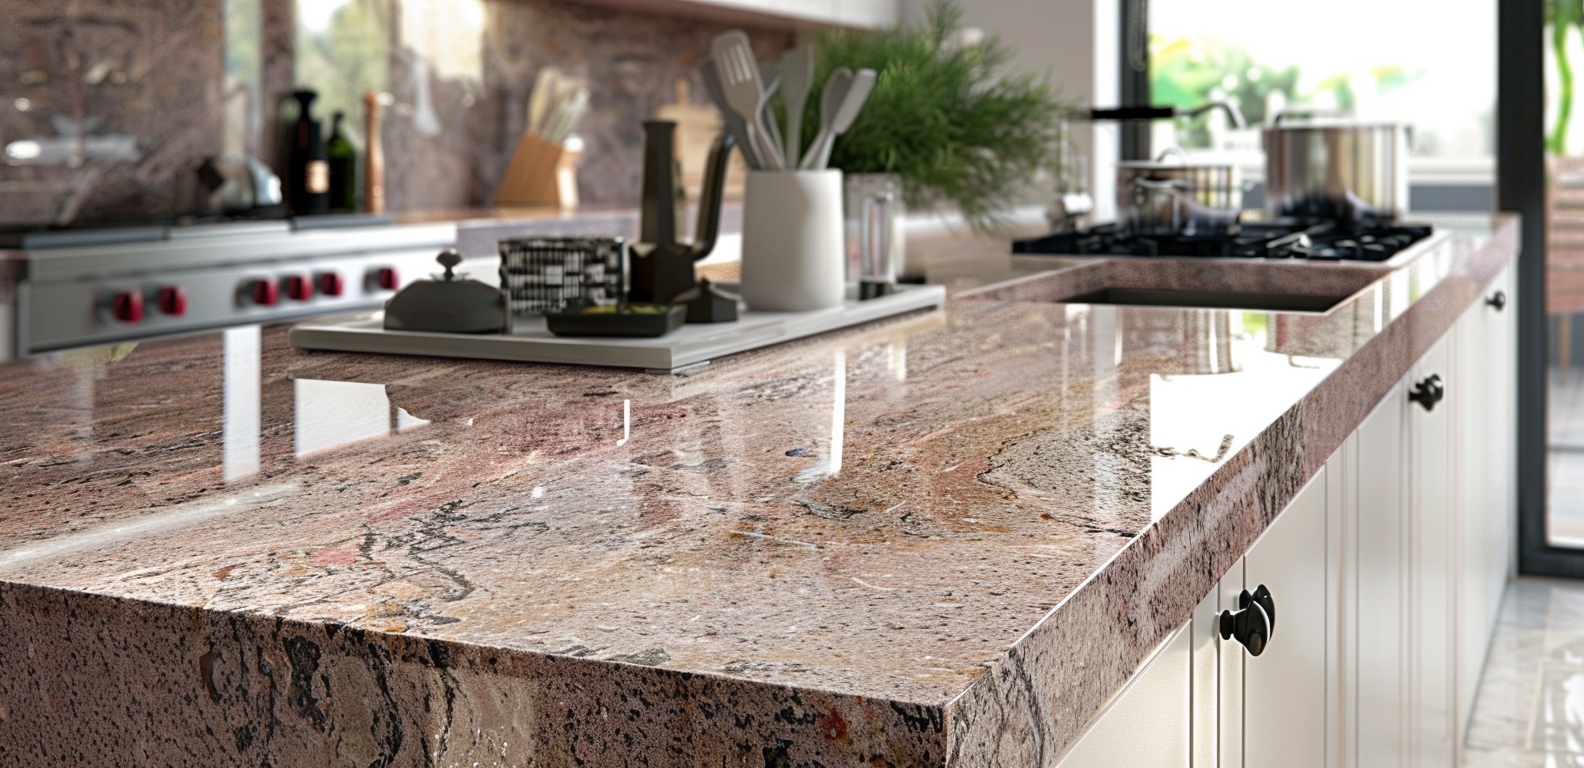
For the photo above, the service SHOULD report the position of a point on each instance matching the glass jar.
(873, 220)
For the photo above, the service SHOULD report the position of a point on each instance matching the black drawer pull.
(1254, 624)
(1428, 392)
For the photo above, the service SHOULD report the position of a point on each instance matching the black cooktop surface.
(1279, 239)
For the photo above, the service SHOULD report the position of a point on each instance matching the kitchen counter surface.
(944, 539)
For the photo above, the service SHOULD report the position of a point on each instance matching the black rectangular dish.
(635, 321)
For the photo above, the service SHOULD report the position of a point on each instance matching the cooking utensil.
(1336, 168)
(836, 87)
(1163, 196)
(539, 100)
(852, 98)
(734, 121)
(797, 77)
(565, 117)
(744, 92)
(770, 75)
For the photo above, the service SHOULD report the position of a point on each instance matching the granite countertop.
(943, 539)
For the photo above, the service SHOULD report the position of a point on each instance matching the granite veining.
(943, 539)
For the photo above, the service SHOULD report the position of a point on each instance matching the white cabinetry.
(1147, 724)
(1485, 458)
(1284, 688)
(1385, 574)
(1379, 595)
(1430, 523)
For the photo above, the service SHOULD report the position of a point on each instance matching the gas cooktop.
(1279, 239)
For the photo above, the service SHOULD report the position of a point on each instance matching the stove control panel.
(58, 314)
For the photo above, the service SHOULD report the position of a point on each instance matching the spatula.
(734, 122)
(739, 75)
(797, 76)
(851, 104)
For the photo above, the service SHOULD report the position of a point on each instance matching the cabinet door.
(1473, 560)
(1285, 687)
(1430, 527)
(1501, 439)
(1379, 595)
(1147, 724)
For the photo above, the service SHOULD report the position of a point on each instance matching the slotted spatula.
(739, 74)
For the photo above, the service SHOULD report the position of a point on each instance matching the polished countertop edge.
(1050, 686)
(419, 685)
(1028, 708)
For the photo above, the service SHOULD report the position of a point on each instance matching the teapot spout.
(710, 196)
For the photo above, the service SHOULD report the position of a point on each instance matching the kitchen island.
(947, 539)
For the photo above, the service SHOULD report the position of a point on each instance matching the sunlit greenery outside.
(343, 57)
(1188, 73)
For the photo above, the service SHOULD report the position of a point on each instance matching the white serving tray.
(692, 344)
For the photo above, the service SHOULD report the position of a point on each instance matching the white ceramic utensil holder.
(793, 256)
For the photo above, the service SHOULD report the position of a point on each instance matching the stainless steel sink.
(1191, 283)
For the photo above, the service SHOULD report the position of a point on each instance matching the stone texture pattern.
(155, 73)
(610, 568)
(108, 69)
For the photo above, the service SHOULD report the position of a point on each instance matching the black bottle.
(309, 170)
(343, 167)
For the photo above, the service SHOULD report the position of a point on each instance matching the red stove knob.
(332, 284)
(173, 300)
(386, 278)
(127, 306)
(266, 292)
(299, 288)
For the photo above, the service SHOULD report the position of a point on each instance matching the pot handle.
(1169, 152)
(1308, 114)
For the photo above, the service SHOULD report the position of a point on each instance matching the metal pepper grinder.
(662, 268)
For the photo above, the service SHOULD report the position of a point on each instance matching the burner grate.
(1282, 239)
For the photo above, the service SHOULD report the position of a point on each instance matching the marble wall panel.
(152, 88)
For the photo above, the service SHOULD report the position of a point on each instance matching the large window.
(1428, 64)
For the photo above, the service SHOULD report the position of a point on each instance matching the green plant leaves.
(945, 116)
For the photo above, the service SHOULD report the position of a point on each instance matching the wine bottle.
(343, 167)
(309, 167)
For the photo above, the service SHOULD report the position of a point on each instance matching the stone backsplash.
(107, 108)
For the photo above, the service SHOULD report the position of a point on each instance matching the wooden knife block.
(540, 174)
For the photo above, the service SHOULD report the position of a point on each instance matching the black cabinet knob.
(1498, 300)
(1428, 392)
(1254, 623)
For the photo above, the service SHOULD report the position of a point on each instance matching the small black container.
(617, 323)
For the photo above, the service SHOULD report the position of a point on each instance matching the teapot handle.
(710, 196)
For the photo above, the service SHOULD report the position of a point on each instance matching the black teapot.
(661, 268)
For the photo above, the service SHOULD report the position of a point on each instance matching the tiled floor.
(1529, 711)
(1565, 456)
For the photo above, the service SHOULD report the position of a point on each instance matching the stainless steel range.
(77, 287)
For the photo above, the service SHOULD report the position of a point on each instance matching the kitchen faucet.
(1159, 113)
